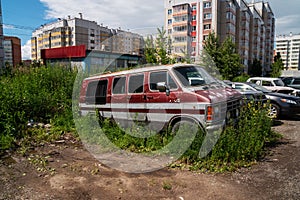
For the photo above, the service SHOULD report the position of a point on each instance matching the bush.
(241, 144)
(34, 94)
(241, 78)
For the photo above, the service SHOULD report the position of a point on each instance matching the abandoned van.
(164, 95)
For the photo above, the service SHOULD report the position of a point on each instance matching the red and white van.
(163, 95)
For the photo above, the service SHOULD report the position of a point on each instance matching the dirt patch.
(65, 170)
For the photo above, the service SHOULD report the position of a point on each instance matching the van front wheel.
(183, 126)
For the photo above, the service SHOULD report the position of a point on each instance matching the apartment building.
(264, 33)
(289, 48)
(78, 31)
(12, 50)
(250, 25)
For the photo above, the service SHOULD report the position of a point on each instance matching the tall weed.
(34, 94)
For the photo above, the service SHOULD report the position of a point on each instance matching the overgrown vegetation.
(34, 95)
(239, 145)
(44, 95)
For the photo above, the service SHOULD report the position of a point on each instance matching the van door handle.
(148, 97)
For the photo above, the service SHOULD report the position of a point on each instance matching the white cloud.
(8, 26)
(132, 14)
(287, 24)
(26, 51)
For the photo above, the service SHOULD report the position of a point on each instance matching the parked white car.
(274, 85)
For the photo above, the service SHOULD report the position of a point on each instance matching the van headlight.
(288, 101)
(237, 113)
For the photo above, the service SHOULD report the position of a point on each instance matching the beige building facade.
(78, 31)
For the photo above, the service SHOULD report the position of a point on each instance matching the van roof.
(137, 70)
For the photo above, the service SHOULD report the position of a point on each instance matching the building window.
(206, 26)
(169, 21)
(194, 7)
(194, 17)
(207, 4)
(205, 37)
(193, 38)
(180, 28)
(169, 11)
(169, 31)
(194, 28)
(207, 16)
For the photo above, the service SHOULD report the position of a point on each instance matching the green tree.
(255, 69)
(150, 56)
(163, 44)
(157, 52)
(230, 62)
(277, 66)
(224, 55)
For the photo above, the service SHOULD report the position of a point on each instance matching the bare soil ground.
(65, 170)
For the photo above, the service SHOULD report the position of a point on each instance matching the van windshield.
(194, 76)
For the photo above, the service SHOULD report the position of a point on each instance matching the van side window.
(156, 77)
(136, 84)
(96, 92)
(119, 85)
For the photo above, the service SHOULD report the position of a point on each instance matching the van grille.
(233, 109)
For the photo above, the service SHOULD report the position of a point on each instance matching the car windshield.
(259, 88)
(278, 82)
(191, 76)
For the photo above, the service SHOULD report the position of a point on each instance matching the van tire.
(183, 122)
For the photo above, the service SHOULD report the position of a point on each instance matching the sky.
(22, 17)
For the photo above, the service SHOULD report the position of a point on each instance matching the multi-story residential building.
(79, 31)
(264, 22)
(1, 40)
(289, 48)
(250, 26)
(12, 50)
(244, 30)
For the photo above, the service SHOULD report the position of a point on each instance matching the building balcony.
(178, 13)
(182, 23)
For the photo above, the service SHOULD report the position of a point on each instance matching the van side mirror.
(162, 87)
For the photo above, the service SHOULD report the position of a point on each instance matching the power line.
(15, 26)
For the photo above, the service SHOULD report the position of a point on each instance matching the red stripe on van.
(162, 111)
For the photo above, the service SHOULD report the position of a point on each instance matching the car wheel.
(274, 111)
(184, 125)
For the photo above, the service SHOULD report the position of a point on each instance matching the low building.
(90, 61)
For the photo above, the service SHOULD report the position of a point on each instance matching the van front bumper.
(212, 127)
